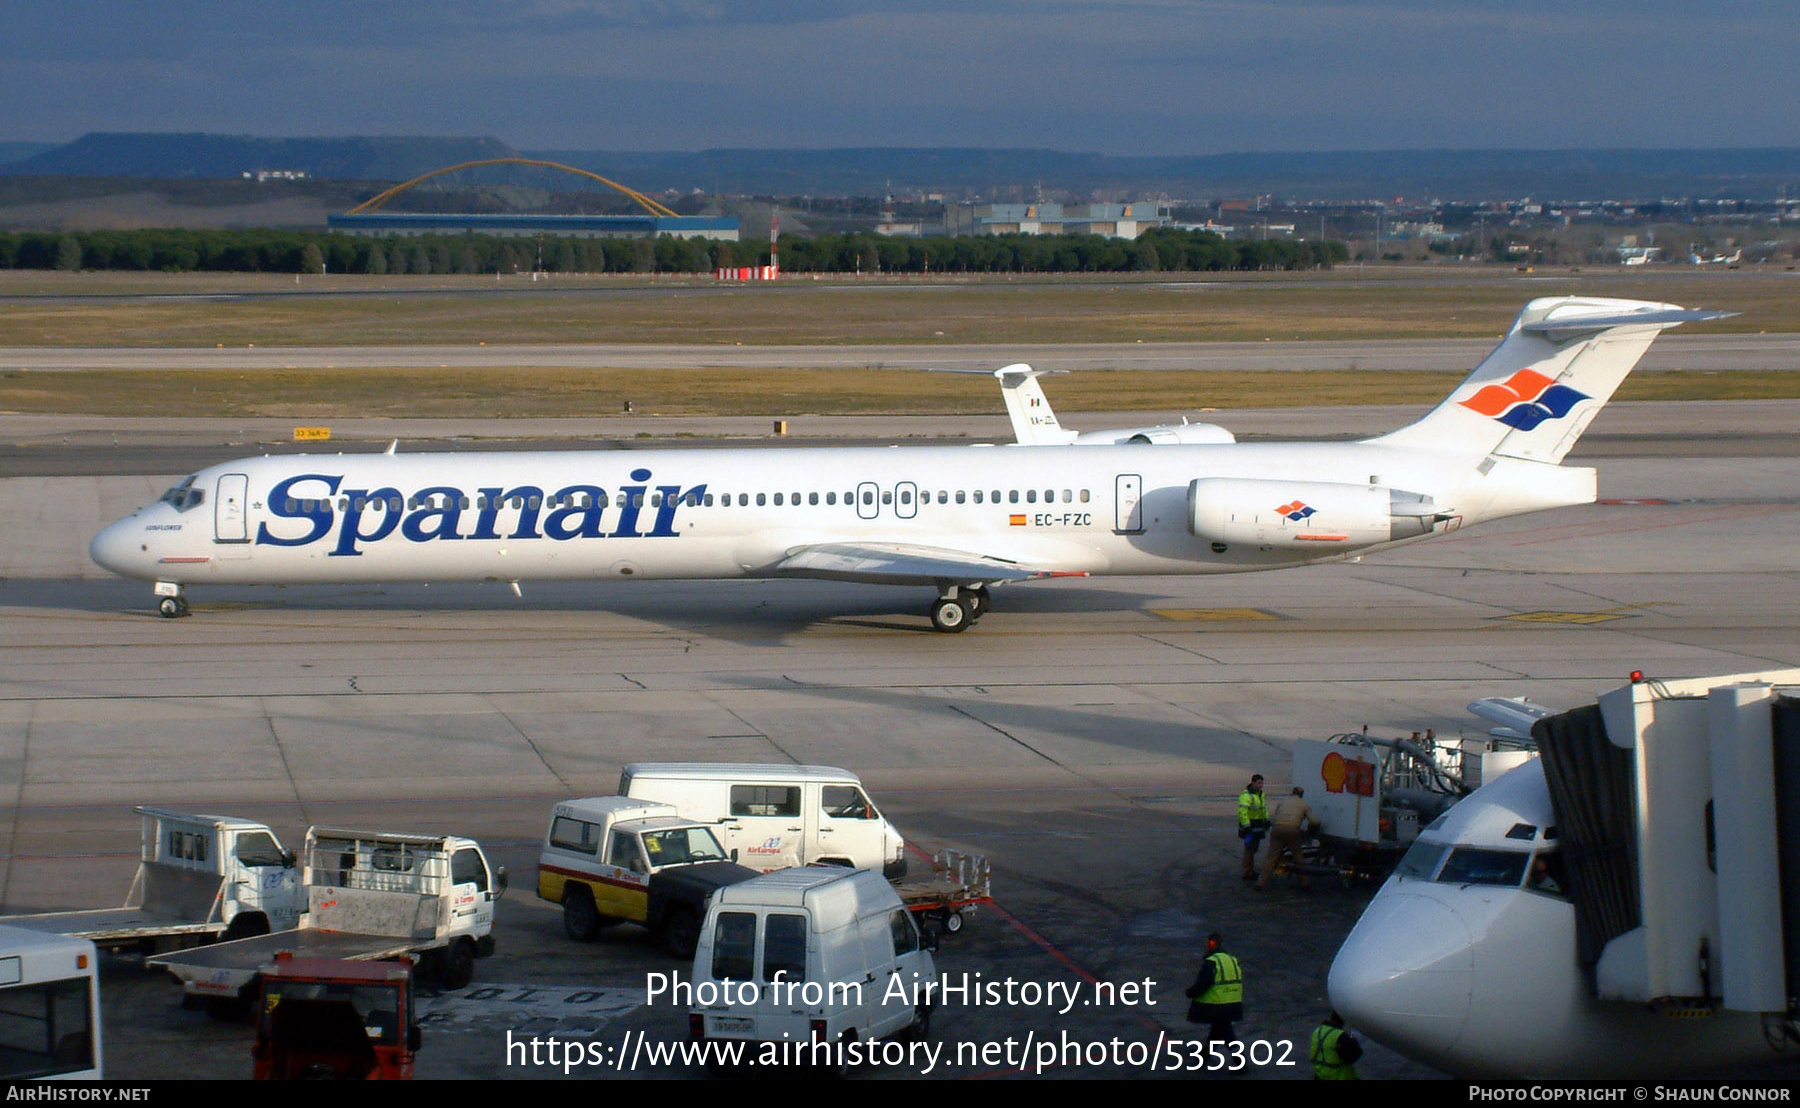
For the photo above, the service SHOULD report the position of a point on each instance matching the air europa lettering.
(311, 507)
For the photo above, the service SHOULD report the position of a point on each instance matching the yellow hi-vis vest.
(1228, 981)
(1251, 806)
(1328, 1064)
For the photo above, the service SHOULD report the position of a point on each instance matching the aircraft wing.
(901, 564)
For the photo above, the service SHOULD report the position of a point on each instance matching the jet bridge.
(1678, 808)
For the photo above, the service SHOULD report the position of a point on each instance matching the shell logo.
(1343, 775)
(1332, 770)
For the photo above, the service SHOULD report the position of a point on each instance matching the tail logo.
(1297, 510)
(1524, 400)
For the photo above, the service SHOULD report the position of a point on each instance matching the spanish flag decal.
(1016, 521)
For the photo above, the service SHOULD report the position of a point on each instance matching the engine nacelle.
(1188, 434)
(1322, 515)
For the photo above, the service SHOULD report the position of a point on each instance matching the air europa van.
(828, 955)
(774, 816)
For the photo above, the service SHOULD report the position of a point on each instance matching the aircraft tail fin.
(1534, 395)
(1033, 421)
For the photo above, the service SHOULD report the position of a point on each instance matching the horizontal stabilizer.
(1559, 329)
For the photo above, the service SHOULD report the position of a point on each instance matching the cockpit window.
(1421, 860)
(1547, 874)
(1473, 866)
(184, 496)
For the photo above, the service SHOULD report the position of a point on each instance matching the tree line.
(272, 251)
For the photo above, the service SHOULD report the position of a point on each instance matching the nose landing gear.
(174, 601)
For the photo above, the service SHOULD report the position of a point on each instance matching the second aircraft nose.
(1405, 974)
(119, 548)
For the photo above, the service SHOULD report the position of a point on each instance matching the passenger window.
(960, 496)
(812, 498)
(734, 946)
(624, 853)
(977, 496)
(1084, 496)
(778, 500)
(1471, 866)
(845, 802)
(905, 931)
(1031, 496)
(831, 498)
(1068, 496)
(574, 834)
(762, 499)
(905, 497)
(887, 498)
(1012, 497)
(765, 800)
(784, 947)
(257, 848)
(868, 498)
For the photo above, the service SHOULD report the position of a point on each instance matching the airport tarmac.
(1089, 736)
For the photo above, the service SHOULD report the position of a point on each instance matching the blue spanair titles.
(322, 510)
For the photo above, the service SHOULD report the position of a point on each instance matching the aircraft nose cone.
(1405, 975)
(118, 547)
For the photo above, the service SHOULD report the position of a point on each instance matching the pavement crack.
(633, 680)
(543, 761)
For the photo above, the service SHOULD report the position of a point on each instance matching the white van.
(809, 955)
(774, 816)
(50, 998)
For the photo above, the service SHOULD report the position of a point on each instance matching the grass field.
(148, 310)
(151, 310)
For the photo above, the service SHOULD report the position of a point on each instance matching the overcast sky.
(1113, 76)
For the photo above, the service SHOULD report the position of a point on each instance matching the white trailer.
(49, 1007)
(199, 878)
(369, 895)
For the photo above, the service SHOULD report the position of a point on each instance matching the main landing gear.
(174, 601)
(958, 608)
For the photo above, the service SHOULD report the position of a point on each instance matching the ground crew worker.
(1217, 993)
(1253, 822)
(1293, 819)
(1334, 1051)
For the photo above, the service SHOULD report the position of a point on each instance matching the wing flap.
(899, 564)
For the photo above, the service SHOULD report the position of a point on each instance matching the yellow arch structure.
(381, 198)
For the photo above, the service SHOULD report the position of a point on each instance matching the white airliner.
(1466, 960)
(955, 518)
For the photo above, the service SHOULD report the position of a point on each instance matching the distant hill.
(201, 155)
(1471, 175)
(19, 151)
(1336, 175)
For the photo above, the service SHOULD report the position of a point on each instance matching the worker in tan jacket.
(1292, 820)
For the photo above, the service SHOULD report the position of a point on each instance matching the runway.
(1089, 736)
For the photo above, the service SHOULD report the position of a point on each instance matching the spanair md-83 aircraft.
(957, 519)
